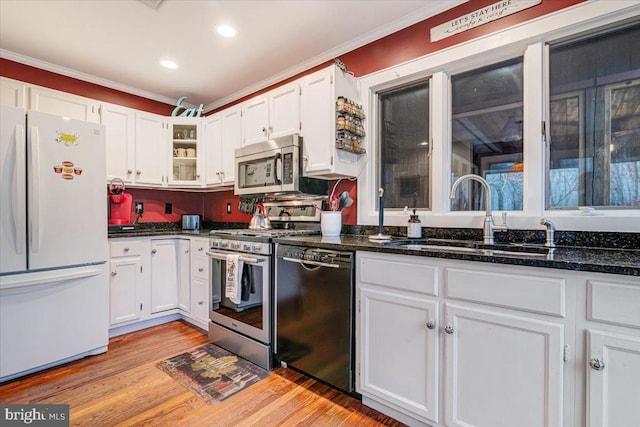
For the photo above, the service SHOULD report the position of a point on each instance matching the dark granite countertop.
(160, 232)
(614, 260)
(599, 260)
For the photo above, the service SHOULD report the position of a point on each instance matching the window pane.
(594, 155)
(404, 146)
(487, 135)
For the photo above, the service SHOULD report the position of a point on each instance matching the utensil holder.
(331, 223)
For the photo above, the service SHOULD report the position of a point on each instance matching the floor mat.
(212, 372)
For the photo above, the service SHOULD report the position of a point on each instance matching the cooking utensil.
(345, 200)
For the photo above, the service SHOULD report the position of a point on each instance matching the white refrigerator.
(54, 297)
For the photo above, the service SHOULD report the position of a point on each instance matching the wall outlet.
(139, 208)
(168, 208)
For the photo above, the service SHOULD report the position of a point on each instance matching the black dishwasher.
(314, 322)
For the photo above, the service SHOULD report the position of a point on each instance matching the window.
(487, 135)
(404, 148)
(594, 111)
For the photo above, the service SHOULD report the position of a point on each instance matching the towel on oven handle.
(232, 284)
(248, 287)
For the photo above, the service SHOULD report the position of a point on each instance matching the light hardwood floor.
(124, 387)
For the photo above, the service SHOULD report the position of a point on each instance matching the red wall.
(37, 76)
(406, 44)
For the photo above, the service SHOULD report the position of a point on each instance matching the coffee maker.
(119, 203)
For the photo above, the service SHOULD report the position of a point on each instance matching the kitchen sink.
(472, 247)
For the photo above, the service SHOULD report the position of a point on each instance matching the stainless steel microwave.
(272, 167)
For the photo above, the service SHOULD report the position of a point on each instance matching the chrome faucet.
(488, 218)
(551, 228)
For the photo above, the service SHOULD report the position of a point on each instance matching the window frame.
(528, 39)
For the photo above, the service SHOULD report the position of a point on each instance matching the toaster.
(191, 222)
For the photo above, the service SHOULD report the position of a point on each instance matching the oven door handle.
(315, 263)
(223, 257)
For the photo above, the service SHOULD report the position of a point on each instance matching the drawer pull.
(201, 269)
(596, 364)
(153, 251)
(200, 302)
(126, 249)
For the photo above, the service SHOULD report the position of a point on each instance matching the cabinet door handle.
(200, 302)
(126, 249)
(153, 251)
(431, 325)
(264, 130)
(596, 364)
(186, 251)
(200, 249)
(114, 272)
(129, 171)
(200, 269)
(448, 329)
(138, 172)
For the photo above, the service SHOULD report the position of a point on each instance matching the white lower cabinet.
(501, 370)
(184, 275)
(399, 351)
(125, 304)
(199, 300)
(613, 380)
(448, 337)
(125, 283)
(611, 363)
(200, 281)
(164, 275)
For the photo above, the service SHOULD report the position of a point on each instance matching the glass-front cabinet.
(185, 151)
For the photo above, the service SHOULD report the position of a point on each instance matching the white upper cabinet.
(186, 151)
(213, 146)
(272, 115)
(151, 152)
(13, 93)
(223, 134)
(319, 117)
(63, 104)
(255, 120)
(120, 126)
(284, 110)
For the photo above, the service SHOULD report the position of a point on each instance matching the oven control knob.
(224, 245)
(246, 248)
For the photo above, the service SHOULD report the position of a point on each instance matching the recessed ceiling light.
(226, 31)
(169, 64)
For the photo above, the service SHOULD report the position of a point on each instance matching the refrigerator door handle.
(18, 190)
(25, 282)
(34, 160)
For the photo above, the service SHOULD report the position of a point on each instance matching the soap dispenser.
(414, 227)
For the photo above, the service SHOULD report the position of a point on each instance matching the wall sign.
(479, 17)
(188, 112)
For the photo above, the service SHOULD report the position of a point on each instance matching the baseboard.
(137, 326)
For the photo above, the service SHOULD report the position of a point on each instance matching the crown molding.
(68, 72)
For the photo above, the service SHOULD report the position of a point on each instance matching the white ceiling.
(119, 43)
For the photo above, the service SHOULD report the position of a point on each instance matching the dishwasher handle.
(315, 263)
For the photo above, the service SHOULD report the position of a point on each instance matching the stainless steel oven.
(244, 326)
(241, 314)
